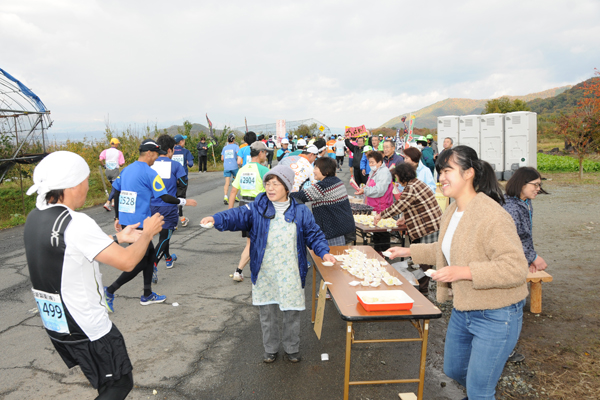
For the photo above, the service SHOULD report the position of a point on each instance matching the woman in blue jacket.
(280, 230)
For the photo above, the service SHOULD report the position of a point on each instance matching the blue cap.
(179, 138)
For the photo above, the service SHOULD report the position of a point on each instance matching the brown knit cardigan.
(486, 240)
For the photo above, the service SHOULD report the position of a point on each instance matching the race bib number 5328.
(51, 311)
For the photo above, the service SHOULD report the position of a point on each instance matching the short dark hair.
(375, 155)
(450, 139)
(326, 165)
(54, 196)
(231, 138)
(359, 138)
(250, 137)
(413, 153)
(404, 172)
(166, 142)
(273, 176)
(520, 178)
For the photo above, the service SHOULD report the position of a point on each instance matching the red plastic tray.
(406, 302)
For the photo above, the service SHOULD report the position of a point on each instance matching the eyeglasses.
(537, 185)
(273, 185)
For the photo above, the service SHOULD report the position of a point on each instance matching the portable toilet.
(469, 132)
(520, 141)
(492, 141)
(447, 127)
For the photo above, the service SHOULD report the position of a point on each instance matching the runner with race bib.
(184, 157)
(112, 158)
(63, 248)
(230, 166)
(249, 183)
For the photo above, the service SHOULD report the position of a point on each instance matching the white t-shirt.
(81, 288)
(447, 242)
(340, 148)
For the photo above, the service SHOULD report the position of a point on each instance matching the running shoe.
(226, 200)
(108, 300)
(155, 274)
(174, 257)
(184, 221)
(169, 262)
(237, 199)
(153, 298)
(238, 276)
(516, 357)
(106, 207)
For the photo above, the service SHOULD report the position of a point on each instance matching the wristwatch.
(115, 239)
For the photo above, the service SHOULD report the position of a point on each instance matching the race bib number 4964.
(127, 202)
(248, 181)
(51, 311)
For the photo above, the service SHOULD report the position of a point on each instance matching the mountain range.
(427, 117)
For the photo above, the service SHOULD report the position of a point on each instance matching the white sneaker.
(184, 221)
(238, 276)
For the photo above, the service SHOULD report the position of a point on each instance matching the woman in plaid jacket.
(422, 214)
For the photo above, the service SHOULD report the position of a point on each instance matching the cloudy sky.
(341, 62)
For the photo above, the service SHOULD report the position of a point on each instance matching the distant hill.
(563, 103)
(427, 117)
(196, 128)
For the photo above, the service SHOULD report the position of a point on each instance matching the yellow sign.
(321, 128)
(320, 308)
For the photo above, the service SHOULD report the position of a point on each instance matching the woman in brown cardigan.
(480, 252)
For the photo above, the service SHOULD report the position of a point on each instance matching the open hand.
(130, 234)
(191, 202)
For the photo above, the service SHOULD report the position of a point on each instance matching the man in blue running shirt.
(184, 157)
(134, 188)
(173, 176)
(230, 166)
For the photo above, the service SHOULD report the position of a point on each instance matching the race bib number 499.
(248, 181)
(127, 202)
(51, 311)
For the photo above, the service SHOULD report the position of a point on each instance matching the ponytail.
(485, 181)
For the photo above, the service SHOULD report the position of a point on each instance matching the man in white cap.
(112, 158)
(63, 248)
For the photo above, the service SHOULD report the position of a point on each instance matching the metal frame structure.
(23, 118)
(270, 129)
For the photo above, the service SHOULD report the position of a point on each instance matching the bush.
(548, 163)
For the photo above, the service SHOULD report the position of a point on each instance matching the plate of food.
(207, 226)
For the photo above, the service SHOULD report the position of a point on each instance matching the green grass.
(548, 163)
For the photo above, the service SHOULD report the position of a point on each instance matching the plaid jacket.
(421, 210)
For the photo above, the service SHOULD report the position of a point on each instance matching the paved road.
(208, 347)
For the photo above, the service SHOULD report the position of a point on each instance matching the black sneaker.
(294, 357)
(515, 357)
(269, 357)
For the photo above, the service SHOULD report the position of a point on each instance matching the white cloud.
(342, 62)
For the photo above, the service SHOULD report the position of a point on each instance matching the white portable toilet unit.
(447, 127)
(492, 141)
(520, 141)
(469, 132)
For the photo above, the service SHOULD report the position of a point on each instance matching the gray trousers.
(269, 322)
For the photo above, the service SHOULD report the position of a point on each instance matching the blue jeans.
(478, 344)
